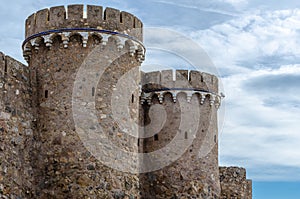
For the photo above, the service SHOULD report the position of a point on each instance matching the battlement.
(180, 81)
(73, 17)
(14, 82)
(57, 24)
(10, 67)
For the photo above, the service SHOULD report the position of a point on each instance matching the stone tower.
(59, 44)
(83, 89)
(188, 127)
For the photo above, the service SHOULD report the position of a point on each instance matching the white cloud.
(252, 41)
(256, 135)
(258, 55)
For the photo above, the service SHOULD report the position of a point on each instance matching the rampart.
(16, 129)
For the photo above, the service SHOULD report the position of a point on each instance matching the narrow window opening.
(132, 98)
(215, 138)
(104, 15)
(121, 18)
(93, 91)
(66, 13)
(201, 78)
(138, 142)
(185, 135)
(5, 66)
(46, 93)
(156, 137)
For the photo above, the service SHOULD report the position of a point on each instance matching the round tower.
(180, 119)
(59, 44)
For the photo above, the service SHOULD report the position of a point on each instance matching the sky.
(255, 47)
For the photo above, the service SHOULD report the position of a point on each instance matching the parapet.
(10, 67)
(180, 81)
(234, 183)
(124, 29)
(73, 17)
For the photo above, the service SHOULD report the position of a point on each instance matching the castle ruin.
(42, 151)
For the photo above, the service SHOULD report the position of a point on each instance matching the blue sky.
(255, 45)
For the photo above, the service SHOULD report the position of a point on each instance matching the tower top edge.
(81, 16)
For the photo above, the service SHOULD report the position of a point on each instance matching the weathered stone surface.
(234, 183)
(16, 121)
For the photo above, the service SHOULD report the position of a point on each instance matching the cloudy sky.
(255, 47)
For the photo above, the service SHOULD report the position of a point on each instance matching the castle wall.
(234, 183)
(43, 153)
(16, 129)
(189, 117)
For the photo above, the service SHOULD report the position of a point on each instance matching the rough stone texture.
(16, 129)
(234, 183)
(41, 154)
(59, 17)
(63, 167)
(195, 174)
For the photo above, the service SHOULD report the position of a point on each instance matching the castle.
(56, 112)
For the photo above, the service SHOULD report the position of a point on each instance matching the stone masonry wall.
(195, 174)
(16, 129)
(234, 183)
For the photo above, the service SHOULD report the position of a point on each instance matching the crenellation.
(112, 15)
(113, 24)
(94, 15)
(182, 79)
(137, 23)
(208, 80)
(195, 79)
(41, 20)
(215, 82)
(75, 13)
(127, 19)
(151, 80)
(187, 82)
(30, 25)
(57, 16)
(167, 79)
